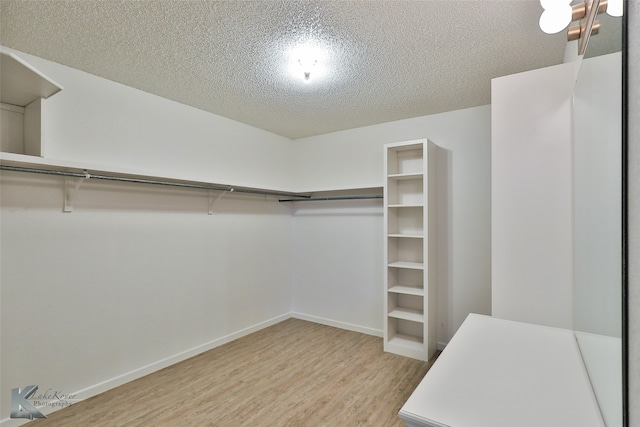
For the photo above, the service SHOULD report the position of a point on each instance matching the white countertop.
(498, 373)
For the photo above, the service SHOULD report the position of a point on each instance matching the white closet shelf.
(407, 341)
(412, 205)
(407, 314)
(407, 290)
(34, 162)
(403, 176)
(21, 83)
(408, 236)
(407, 264)
(371, 187)
(359, 193)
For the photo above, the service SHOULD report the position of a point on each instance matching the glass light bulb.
(614, 7)
(555, 18)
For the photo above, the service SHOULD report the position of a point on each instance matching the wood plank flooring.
(295, 373)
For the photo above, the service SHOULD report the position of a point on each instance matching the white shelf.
(21, 83)
(23, 90)
(368, 187)
(405, 323)
(406, 290)
(403, 176)
(25, 161)
(407, 264)
(410, 324)
(408, 341)
(407, 314)
(36, 162)
(405, 345)
(413, 205)
(407, 236)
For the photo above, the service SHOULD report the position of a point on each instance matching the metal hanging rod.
(87, 175)
(318, 199)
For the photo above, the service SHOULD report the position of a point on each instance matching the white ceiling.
(386, 59)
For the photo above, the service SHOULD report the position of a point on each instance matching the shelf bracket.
(71, 186)
(212, 200)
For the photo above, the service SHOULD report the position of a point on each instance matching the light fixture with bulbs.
(306, 66)
(307, 61)
(558, 14)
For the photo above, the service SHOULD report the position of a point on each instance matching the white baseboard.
(337, 324)
(153, 367)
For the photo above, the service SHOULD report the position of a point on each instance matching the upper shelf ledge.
(9, 161)
(21, 83)
(60, 167)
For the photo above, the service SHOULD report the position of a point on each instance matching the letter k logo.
(21, 407)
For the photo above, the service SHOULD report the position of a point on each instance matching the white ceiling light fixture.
(307, 62)
(307, 65)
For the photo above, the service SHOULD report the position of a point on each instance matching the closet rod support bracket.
(71, 187)
(212, 200)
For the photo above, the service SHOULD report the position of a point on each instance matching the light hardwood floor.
(295, 373)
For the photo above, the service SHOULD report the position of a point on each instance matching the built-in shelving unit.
(22, 92)
(409, 216)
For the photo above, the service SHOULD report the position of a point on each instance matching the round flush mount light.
(308, 62)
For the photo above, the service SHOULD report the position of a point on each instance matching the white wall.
(336, 260)
(98, 121)
(633, 192)
(532, 208)
(131, 277)
(137, 277)
(355, 158)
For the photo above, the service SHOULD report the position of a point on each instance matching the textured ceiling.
(384, 60)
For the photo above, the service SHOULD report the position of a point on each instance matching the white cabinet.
(23, 89)
(409, 250)
(532, 196)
